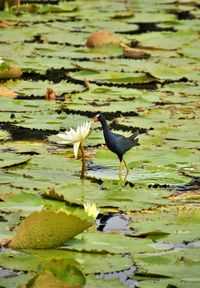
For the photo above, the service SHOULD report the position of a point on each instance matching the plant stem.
(83, 161)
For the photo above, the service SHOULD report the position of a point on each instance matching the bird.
(117, 143)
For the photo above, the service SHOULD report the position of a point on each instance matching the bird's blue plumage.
(117, 143)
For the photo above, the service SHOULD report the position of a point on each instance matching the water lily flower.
(91, 210)
(77, 137)
(1, 60)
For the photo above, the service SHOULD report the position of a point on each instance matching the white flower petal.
(76, 136)
(91, 210)
(76, 146)
(1, 60)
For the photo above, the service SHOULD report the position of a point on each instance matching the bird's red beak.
(95, 119)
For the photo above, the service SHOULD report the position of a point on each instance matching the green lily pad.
(17, 280)
(162, 283)
(108, 243)
(8, 159)
(168, 226)
(60, 51)
(16, 105)
(113, 77)
(38, 88)
(88, 263)
(158, 71)
(110, 99)
(165, 40)
(166, 266)
(114, 195)
(49, 121)
(40, 115)
(4, 135)
(48, 228)
(148, 166)
(102, 283)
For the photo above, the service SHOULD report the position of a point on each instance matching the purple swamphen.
(117, 143)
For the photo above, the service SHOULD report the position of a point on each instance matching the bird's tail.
(134, 138)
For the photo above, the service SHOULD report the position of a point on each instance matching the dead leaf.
(6, 92)
(5, 242)
(50, 94)
(5, 24)
(101, 38)
(136, 54)
(86, 83)
(13, 72)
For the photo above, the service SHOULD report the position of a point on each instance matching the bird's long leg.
(120, 171)
(127, 170)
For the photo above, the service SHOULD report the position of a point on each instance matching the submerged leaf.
(44, 279)
(59, 273)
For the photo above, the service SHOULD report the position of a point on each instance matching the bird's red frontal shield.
(95, 119)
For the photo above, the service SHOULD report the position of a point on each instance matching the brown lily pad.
(6, 92)
(5, 24)
(101, 38)
(135, 53)
(50, 94)
(12, 72)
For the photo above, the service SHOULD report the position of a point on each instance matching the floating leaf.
(168, 226)
(16, 280)
(108, 243)
(113, 195)
(101, 38)
(12, 72)
(48, 228)
(4, 135)
(148, 166)
(6, 92)
(165, 265)
(8, 159)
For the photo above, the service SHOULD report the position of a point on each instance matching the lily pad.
(168, 226)
(8, 72)
(11, 159)
(113, 77)
(114, 195)
(29, 260)
(4, 135)
(17, 280)
(108, 243)
(148, 166)
(166, 266)
(38, 88)
(48, 228)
